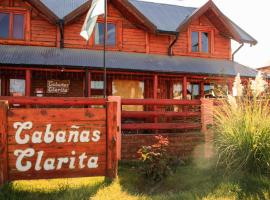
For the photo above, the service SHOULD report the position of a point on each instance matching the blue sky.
(252, 16)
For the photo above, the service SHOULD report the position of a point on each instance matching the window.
(193, 91)
(4, 25)
(195, 41)
(17, 87)
(12, 25)
(111, 34)
(97, 89)
(129, 89)
(205, 42)
(177, 91)
(200, 42)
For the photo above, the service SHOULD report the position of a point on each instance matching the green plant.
(242, 126)
(157, 163)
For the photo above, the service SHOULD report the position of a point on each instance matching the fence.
(161, 115)
(38, 143)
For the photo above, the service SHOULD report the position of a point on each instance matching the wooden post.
(3, 143)
(207, 118)
(112, 161)
(119, 115)
(230, 87)
(155, 93)
(3, 86)
(202, 89)
(184, 87)
(89, 83)
(28, 82)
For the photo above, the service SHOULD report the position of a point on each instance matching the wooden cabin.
(160, 58)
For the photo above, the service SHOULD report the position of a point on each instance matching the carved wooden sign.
(58, 143)
(58, 86)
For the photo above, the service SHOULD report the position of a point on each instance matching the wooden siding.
(129, 37)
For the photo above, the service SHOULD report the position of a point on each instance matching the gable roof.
(165, 17)
(62, 8)
(174, 18)
(158, 18)
(82, 58)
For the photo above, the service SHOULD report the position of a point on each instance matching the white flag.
(97, 8)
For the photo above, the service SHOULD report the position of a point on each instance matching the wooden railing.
(187, 118)
(158, 114)
(52, 101)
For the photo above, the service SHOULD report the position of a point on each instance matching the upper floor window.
(111, 34)
(200, 41)
(12, 25)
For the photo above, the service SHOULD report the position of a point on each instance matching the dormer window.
(12, 25)
(111, 34)
(200, 41)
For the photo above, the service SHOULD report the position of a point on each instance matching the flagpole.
(104, 49)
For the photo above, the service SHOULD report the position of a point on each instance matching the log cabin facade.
(154, 51)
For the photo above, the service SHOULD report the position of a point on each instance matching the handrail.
(160, 126)
(147, 114)
(63, 101)
(159, 102)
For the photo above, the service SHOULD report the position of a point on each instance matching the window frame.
(16, 11)
(118, 35)
(108, 45)
(201, 30)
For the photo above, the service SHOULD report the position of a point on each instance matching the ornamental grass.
(242, 126)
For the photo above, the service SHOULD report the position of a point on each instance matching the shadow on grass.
(63, 192)
(197, 181)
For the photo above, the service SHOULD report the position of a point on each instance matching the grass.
(197, 180)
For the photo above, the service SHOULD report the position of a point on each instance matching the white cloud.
(250, 15)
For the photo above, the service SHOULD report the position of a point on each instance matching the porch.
(151, 103)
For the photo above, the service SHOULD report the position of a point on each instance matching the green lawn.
(199, 180)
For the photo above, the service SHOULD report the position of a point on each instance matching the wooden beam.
(155, 95)
(3, 143)
(89, 79)
(3, 86)
(147, 114)
(161, 102)
(28, 83)
(184, 85)
(64, 101)
(147, 41)
(155, 86)
(230, 86)
(112, 160)
(160, 126)
(202, 89)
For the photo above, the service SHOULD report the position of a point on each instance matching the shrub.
(242, 126)
(157, 164)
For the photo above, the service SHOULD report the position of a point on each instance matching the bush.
(242, 126)
(157, 163)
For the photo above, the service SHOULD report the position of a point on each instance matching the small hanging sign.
(58, 86)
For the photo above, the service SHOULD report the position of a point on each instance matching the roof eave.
(140, 16)
(77, 12)
(210, 5)
(50, 16)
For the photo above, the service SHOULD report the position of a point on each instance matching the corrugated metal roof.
(62, 8)
(45, 56)
(170, 17)
(165, 17)
(244, 35)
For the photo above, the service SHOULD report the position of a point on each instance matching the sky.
(252, 16)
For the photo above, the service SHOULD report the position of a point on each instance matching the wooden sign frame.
(107, 142)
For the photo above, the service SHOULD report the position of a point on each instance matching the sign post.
(43, 143)
(3, 142)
